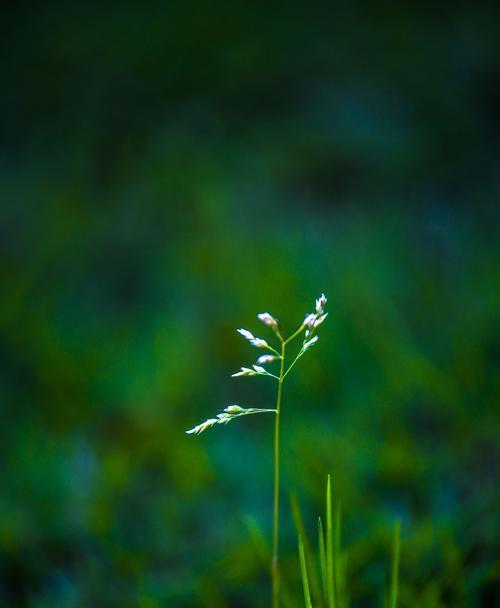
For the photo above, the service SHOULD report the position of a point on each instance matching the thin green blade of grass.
(336, 555)
(322, 561)
(329, 545)
(314, 577)
(303, 571)
(395, 566)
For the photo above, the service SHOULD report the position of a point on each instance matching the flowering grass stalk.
(307, 330)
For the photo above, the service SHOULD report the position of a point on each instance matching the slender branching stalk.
(308, 328)
(275, 573)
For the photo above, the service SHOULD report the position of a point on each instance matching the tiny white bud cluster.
(320, 304)
(315, 319)
(245, 371)
(255, 370)
(230, 413)
(258, 342)
(199, 428)
(309, 343)
(311, 322)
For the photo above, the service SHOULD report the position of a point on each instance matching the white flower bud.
(245, 371)
(309, 320)
(230, 413)
(258, 342)
(268, 319)
(263, 359)
(259, 370)
(233, 409)
(246, 334)
(320, 304)
(320, 320)
(310, 343)
(203, 426)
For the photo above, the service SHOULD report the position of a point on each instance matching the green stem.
(294, 335)
(275, 575)
(294, 362)
(273, 350)
(269, 374)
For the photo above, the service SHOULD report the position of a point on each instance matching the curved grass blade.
(303, 571)
(322, 561)
(314, 577)
(329, 546)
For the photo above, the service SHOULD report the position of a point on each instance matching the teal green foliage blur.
(168, 171)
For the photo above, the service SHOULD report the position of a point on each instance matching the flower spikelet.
(268, 320)
(263, 359)
(245, 371)
(320, 304)
(310, 343)
(230, 413)
(258, 342)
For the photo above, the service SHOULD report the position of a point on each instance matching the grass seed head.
(203, 426)
(268, 320)
(263, 359)
(320, 304)
(258, 342)
(309, 320)
(320, 320)
(310, 343)
(245, 371)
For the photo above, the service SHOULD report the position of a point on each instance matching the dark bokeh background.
(168, 170)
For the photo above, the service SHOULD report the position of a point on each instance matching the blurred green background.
(167, 171)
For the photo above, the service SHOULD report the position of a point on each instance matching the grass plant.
(331, 563)
(307, 330)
